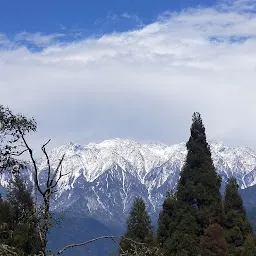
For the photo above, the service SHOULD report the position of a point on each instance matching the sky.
(132, 69)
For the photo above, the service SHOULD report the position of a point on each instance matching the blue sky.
(92, 17)
(89, 71)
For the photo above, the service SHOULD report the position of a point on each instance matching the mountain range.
(103, 179)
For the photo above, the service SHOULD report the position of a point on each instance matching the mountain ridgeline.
(105, 178)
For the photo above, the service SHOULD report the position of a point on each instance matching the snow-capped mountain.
(105, 178)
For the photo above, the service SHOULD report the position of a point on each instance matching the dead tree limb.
(48, 162)
(20, 153)
(94, 240)
(33, 161)
(47, 191)
(118, 245)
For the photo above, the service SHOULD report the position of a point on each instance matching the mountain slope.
(105, 178)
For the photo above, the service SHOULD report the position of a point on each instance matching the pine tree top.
(139, 223)
(199, 184)
(197, 143)
(198, 159)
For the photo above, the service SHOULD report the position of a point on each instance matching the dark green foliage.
(199, 184)
(213, 241)
(232, 199)
(167, 222)
(197, 202)
(12, 128)
(139, 227)
(249, 248)
(18, 222)
(193, 221)
(6, 250)
(19, 197)
(236, 224)
(143, 251)
(185, 240)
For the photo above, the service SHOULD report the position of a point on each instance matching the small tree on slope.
(167, 222)
(236, 224)
(139, 227)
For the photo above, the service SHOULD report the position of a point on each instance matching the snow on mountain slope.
(105, 178)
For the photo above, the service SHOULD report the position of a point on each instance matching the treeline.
(195, 220)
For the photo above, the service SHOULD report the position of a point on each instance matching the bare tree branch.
(19, 154)
(118, 245)
(33, 161)
(48, 162)
(60, 176)
(93, 240)
(57, 169)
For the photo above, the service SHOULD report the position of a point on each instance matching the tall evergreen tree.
(198, 195)
(199, 184)
(236, 224)
(139, 227)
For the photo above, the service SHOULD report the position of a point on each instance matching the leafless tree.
(47, 190)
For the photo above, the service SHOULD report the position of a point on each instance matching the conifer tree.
(198, 195)
(199, 184)
(167, 222)
(139, 227)
(236, 224)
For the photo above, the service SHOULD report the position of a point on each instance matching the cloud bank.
(142, 84)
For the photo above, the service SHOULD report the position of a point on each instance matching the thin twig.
(57, 169)
(19, 154)
(60, 176)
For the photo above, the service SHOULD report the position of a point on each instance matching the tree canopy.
(12, 128)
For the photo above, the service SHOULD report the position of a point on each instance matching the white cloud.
(134, 17)
(142, 84)
(37, 39)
